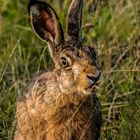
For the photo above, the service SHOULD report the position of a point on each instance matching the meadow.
(111, 26)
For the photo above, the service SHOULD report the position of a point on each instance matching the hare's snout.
(91, 79)
(88, 79)
(94, 82)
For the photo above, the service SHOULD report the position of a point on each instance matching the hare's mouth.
(95, 85)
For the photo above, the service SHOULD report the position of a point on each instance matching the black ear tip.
(33, 2)
(36, 2)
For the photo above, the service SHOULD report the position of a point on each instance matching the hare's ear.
(45, 22)
(75, 19)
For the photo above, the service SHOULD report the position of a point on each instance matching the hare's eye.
(64, 62)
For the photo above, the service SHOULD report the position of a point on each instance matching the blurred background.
(111, 26)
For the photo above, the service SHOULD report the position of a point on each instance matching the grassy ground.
(116, 35)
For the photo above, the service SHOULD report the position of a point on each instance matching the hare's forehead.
(78, 52)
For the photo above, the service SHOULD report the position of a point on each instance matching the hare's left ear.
(75, 20)
(45, 22)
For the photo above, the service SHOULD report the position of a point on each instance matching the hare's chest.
(70, 122)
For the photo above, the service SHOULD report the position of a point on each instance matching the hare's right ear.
(45, 23)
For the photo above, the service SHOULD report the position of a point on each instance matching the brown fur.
(45, 113)
(61, 104)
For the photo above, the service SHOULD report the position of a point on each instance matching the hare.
(61, 104)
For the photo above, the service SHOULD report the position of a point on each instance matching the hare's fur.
(45, 113)
(60, 104)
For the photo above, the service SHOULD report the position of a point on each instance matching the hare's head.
(76, 65)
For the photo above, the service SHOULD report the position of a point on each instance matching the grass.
(116, 35)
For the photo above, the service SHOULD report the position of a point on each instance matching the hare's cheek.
(67, 80)
(82, 82)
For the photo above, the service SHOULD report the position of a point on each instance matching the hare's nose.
(91, 79)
